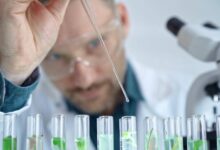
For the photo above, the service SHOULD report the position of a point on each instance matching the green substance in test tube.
(58, 143)
(81, 144)
(175, 143)
(9, 143)
(129, 141)
(199, 145)
(105, 142)
(196, 145)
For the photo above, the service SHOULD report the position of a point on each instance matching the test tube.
(105, 133)
(173, 133)
(34, 133)
(151, 134)
(9, 132)
(218, 132)
(198, 131)
(58, 140)
(81, 132)
(189, 134)
(128, 133)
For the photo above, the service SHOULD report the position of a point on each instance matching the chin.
(94, 109)
(96, 106)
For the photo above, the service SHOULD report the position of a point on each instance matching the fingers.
(10, 7)
(58, 8)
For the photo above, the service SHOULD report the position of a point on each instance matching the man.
(77, 77)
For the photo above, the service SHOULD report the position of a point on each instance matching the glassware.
(9, 132)
(105, 133)
(197, 134)
(58, 141)
(189, 134)
(81, 132)
(151, 134)
(128, 133)
(173, 133)
(34, 133)
(218, 132)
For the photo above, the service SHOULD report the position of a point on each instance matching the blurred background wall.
(154, 46)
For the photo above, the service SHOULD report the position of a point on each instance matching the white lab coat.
(165, 95)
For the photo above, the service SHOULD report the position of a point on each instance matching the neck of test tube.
(90, 13)
(9, 125)
(34, 126)
(58, 126)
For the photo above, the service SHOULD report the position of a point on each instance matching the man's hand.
(28, 30)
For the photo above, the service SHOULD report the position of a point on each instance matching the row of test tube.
(170, 139)
(105, 133)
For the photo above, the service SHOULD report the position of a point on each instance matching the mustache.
(93, 86)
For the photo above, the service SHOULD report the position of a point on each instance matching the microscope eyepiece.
(210, 25)
(174, 25)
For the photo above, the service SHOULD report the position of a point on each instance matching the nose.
(84, 74)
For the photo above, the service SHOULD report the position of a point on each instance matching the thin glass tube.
(90, 13)
(128, 133)
(151, 134)
(197, 134)
(81, 132)
(105, 135)
(34, 133)
(218, 132)
(9, 132)
(173, 133)
(58, 141)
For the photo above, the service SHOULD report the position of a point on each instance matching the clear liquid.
(81, 144)
(128, 141)
(9, 143)
(105, 142)
(174, 143)
(189, 144)
(34, 143)
(58, 143)
(218, 143)
(197, 145)
(151, 142)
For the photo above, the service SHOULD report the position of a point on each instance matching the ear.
(124, 18)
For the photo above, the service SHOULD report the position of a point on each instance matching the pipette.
(89, 12)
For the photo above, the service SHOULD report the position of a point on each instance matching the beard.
(98, 98)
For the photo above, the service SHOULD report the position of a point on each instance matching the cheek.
(105, 71)
(63, 84)
(120, 65)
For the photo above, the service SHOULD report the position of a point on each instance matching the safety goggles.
(86, 49)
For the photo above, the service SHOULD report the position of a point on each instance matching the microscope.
(203, 43)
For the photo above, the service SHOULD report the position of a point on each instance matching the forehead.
(76, 21)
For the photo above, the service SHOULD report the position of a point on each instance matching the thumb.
(58, 8)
